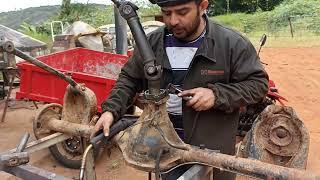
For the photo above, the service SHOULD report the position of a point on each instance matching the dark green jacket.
(225, 62)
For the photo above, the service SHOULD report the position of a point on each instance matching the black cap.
(163, 3)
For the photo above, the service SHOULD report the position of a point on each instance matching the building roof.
(21, 41)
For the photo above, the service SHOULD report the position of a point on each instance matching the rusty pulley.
(279, 137)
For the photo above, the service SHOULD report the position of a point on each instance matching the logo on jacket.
(211, 72)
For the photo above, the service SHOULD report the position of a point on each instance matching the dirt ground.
(296, 72)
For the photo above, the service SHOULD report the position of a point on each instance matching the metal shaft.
(121, 33)
(69, 127)
(151, 71)
(23, 142)
(244, 166)
(43, 66)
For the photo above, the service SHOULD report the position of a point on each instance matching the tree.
(217, 7)
(65, 9)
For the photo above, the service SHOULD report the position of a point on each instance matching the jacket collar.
(206, 48)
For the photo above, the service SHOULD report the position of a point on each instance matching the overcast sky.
(11, 5)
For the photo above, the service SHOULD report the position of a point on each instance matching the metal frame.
(31, 172)
(20, 155)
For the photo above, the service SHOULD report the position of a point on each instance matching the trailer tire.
(64, 158)
(69, 152)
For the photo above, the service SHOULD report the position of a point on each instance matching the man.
(217, 66)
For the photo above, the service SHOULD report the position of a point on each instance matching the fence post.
(291, 29)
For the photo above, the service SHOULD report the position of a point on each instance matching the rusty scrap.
(141, 144)
(18, 157)
(278, 137)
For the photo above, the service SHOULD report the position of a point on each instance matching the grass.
(253, 26)
(288, 42)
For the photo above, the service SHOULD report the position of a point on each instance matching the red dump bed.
(98, 70)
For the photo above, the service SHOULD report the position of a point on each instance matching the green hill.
(33, 16)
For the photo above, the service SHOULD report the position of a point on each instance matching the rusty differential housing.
(279, 137)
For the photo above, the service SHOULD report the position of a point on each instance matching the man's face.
(183, 20)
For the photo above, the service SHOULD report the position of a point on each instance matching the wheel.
(68, 153)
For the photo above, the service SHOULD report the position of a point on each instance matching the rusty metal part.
(31, 172)
(17, 157)
(45, 113)
(278, 137)
(79, 105)
(4, 112)
(72, 129)
(78, 109)
(44, 66)
(8, 47)
(14, 159)
(244, 166)
(73, 119)
(141, 144)
(43, 143)
(9, 71)
(280, 133)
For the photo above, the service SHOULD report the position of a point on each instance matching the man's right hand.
(104, 123)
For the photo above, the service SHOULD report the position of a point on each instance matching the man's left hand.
(202, 98)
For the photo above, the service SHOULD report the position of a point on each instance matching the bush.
(304, 15)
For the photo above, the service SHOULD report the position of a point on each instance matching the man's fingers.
(193, 100)
(106, 130)
(197, 106)
(190, 92)
(106, 127)
(104, 123)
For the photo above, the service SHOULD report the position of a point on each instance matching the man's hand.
(202, 98)
(104, 123)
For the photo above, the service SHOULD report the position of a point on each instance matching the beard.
(182, 32)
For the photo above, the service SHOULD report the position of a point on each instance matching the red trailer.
(98, 70)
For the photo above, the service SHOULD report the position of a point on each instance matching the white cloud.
(12, 5)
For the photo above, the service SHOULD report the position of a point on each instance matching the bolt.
(69, 144)
(78, 141)
(75, 147)
(281, 133)
(151, 69)
(127, 9)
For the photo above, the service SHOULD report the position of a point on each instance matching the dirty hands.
(104, 123)
(202, 98)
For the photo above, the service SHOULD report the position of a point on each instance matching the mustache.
(173, 28)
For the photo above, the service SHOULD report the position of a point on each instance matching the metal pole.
(8, 98)
(8, 47)
(250, 167)
(44, 66)
(121, 32)
(32, 172)
(43, 143)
